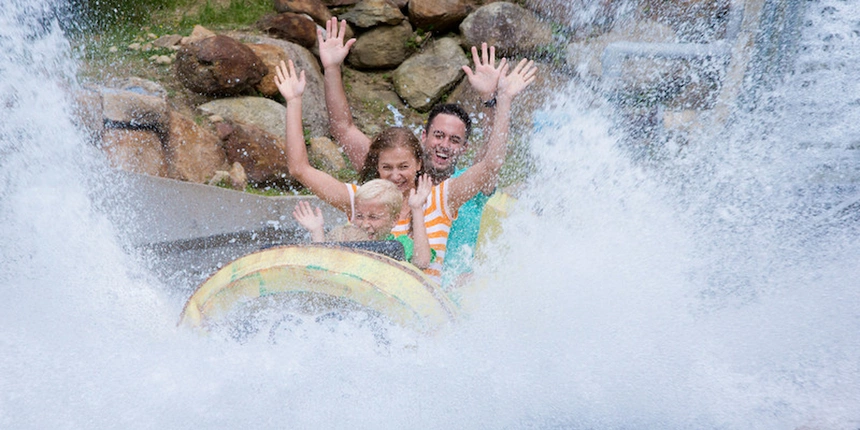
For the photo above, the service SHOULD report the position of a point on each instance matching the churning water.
(715, 291)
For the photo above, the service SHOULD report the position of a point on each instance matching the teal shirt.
(463, 236)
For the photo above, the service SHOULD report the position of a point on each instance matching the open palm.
(511, 84)
(289, 83)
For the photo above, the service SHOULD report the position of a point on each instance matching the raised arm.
(485, 81)
(465, 186)
(292, 86)
(311, 219)
(421, 252)
(333, 51)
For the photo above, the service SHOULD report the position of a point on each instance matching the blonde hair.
(383, 191)
(347, 233)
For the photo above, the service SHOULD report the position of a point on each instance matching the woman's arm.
(326, 187)
(333, 51)
(421, 253)
(465, 186)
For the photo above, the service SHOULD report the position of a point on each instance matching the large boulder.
(370, 13)
(88, 112)
(271, 56)
(588, 15)
(334, 3)
(510, 28)
(194, 153)
(138, 151)
(312, 8)
(314, 115)
(381, 47)
(424, 78)
(135, 102)
(218, 65)
(263, 113)
(439, 15)
(260, 153)
(296, 28)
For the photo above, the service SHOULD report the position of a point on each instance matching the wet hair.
(391, 137)
(384, 192)
(347, 233)
(450, 109)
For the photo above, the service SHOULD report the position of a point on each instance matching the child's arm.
(326, 187)
(333, 50)
(311, 220)
(421, 253)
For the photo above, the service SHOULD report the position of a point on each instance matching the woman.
(395, 155)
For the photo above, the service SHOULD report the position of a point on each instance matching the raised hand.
(418, 196)
(332, 48)
(290, 84)
(511, 84)
(311, 219)
(485, 78)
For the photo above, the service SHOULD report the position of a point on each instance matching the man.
(444, 138)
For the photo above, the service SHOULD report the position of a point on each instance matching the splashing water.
(706, 295)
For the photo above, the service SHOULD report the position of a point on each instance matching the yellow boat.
(315, 278)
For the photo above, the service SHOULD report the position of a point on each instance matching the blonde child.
(377, 209)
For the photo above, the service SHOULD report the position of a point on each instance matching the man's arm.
(475, 178)
(333, 51)
(485, 80)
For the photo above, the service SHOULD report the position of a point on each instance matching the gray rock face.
(218, 65)
(510, 28)
(423, 78)
(381, 47)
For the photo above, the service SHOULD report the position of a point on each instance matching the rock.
(194, 153)
(439, 15)
(238, 177)
(692, 21)
(370, 13)
(260, 154)
(89, 113)
(218, 65)
(381, 47)
(271, 56)
(510, 28)
(333, 3)
(135, 103)
(167, 41)
(314, 115)
(312, 8)
(326, 153)
(292, 27)
(198, 33)
(423, 78)
(260, 112)
(379, 103)
(138, 151)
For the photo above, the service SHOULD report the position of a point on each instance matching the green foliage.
(237, 13)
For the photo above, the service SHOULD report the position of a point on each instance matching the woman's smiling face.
(400, 166)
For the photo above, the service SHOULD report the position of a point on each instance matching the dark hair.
(391, 137)
(450, 109)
